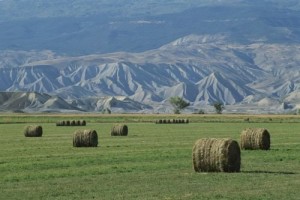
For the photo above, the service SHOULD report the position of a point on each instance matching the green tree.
(219, 107)
(178, 104)
(106, 111)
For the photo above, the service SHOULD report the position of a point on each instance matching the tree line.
(180, 104)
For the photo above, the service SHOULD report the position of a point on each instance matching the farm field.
(153, 162)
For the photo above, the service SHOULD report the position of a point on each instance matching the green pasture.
(152, 162)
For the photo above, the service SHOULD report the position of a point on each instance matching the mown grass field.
(152, 162)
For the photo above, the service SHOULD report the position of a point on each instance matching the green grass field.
(152, 162)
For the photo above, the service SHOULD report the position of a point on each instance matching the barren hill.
(202, 69)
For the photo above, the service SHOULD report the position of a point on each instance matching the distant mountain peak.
(199, 39)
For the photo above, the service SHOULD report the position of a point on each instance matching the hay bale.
(60, 123)
(73, 123)
(67, 123)
(82, 122)
(85, 138)
(119, 130)
(186, 121)
(255, 138)
(216, 155)
(33, 131)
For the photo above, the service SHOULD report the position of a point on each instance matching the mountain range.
(133, 56)
(201, 69)
(102, 26)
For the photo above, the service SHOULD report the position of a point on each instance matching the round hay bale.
(82, 122)
(160, 121)
(186, 121)
(67, 123)
(216, 155)
(255, 138)
(119, 130)
(164, 121)
(85, 138)
(73, 123)
(59, 123)
(33, 131)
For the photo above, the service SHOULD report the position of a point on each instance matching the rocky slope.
(202, 69)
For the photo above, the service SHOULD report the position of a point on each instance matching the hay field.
(152, 162)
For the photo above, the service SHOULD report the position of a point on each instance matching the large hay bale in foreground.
(33, 131)
(85, 138)
(255, 138)
(216, 155)
(119, 130)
